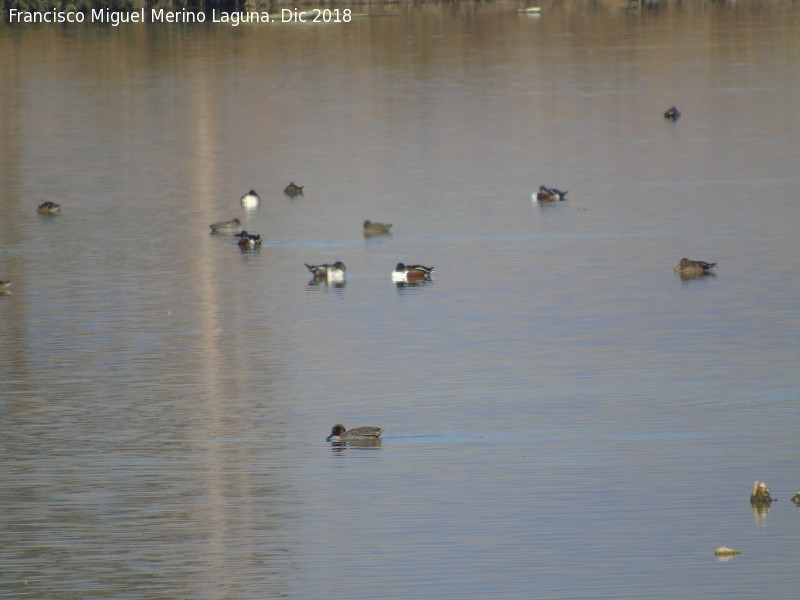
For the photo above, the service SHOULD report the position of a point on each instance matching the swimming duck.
(293, 189)
(371, 228)
(340, 434)
(251, 199)
(693, 268)
(249, 240)
(546, 194)
(328, 273)
(673, 114)
(48, 208)
(724, 551)
(223, 226)
(4, 287)
(410, 273)
(760, 494)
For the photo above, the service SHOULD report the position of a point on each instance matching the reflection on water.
(760, 513)
(562, 412)
(413, 284)
(316, 283)
(689, 276)
(356, 443)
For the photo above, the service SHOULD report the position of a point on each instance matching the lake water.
(563, 416)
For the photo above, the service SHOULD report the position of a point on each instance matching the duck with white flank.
(250, 200)
(328, 273)
(546, 194)
(411, 273)
(249, 240)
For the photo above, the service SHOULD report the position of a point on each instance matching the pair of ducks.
(251, 199)
(334, 273)
(247, 240)
(369, 227)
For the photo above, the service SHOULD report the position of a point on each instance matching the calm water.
(564, 417)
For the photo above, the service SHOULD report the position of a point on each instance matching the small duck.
(673, 114)
(225, 226)
(693, 268)
(726, 552)
(411, 273)
(546, 194)
(251, 199)
(48, 208)
(249, 240)
(293, 190)
(340, 434)
(371, 228)
(328, 273)
(760, 494)
(4, 285)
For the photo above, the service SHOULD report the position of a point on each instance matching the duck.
(371, 228)
(760, 494)
(693, 268)
(249, 240)
(340, 434)
(328, 273)
(222, 226)
(48, 208)
(673, 114)
(546, 194)
(251, 199)
(293, 190)
(411, 273)
(4, 285)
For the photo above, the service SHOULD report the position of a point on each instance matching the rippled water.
(564, 417)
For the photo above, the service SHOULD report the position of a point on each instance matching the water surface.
(564, 417)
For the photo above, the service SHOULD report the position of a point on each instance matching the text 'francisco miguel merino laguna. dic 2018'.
(160, 15)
